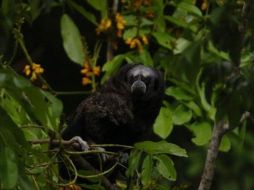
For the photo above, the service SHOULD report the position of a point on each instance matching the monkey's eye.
(146, 80)
(131, 79)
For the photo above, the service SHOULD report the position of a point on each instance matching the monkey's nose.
(138, 88)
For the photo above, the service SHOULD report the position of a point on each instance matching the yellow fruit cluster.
(137, 42)
(139, 3)
(120, 24)
(33, 71)
(88, 71)
(104, 25)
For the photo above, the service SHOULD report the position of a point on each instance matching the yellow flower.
(137, 42)
(86, 81)
(144, 39)
(204, 5)
(34, 76)
(104, 25)
(96, 70)
(128, 41)
(120, 24)
(88, 72)
(37, 69)
(84, 71)
(27, 70)
(33, 71)
(86, 65)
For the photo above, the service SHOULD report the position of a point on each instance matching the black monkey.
(122, 111)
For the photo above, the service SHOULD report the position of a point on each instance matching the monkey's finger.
(83, 145)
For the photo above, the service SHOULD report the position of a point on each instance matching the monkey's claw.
(81, 143)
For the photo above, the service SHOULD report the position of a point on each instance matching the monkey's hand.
(78, 143)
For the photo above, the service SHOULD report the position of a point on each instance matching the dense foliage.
(205, 49)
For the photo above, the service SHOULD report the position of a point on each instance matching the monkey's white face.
(143, 80)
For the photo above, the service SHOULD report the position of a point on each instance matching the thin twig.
(70, 142)
(91, 152)
(105, 182)
(20, 40)
(110, 45)
(219, 130)
(75, 173)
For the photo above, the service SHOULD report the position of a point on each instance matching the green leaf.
(32, 102)
(110, 67)
(166, 167)
(7, 7)
(9, 168)
(178, 93)
(145, 58)
(100, 5)
(211, 110)
(191, 8)
(54, 104)
(194, 107)
(130, 33)
(146, 173)
(38, 106)
(181, 115)
(89, 16)
(72, 41)
(133, 163)
(14, 109)
(146, 22)
(25, 183)
(131, 20)
(164, 39)
(202, 132)
(160, 148)
(163, 124)
(10, 134)
(225, 144)
(181, 45)
(221, 54)
(159, 22)
(181, 22)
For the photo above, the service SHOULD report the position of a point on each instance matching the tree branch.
(75, 145)
(104, 180)
(82, 162)
(110, 43)
(219, 130)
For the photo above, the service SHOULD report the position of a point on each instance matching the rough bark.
(218, 131)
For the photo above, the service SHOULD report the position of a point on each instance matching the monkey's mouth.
(138, 88)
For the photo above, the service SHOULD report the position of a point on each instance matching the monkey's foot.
(124, 157)
(104, 156)
(77, 141)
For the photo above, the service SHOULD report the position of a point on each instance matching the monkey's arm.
(99, 118)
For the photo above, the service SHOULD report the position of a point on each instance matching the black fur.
(114, 114)
(121, 112)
